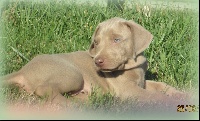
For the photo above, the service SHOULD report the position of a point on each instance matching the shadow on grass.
(151, 76)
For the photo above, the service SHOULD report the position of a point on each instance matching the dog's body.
(114, 63)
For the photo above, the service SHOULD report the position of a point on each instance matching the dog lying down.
(114, 62)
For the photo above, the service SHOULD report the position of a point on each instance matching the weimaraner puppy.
(114, 63)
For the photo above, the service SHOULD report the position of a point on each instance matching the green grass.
(32, 28)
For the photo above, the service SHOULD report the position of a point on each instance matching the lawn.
(31, 28)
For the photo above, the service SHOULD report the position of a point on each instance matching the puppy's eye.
(116, 40)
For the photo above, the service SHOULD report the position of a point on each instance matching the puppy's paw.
(183, 96)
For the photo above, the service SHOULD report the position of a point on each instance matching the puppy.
(114, 63)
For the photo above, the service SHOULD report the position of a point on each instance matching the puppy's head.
(117, 44)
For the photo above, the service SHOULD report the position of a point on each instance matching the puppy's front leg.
(166, 89)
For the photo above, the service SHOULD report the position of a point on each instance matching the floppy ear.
(141, 37)
(92, 47)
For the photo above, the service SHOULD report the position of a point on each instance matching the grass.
(31, 28)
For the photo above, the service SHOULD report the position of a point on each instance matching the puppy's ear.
(92, 51)
(141, 37)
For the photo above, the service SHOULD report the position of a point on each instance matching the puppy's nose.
(99, 62)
